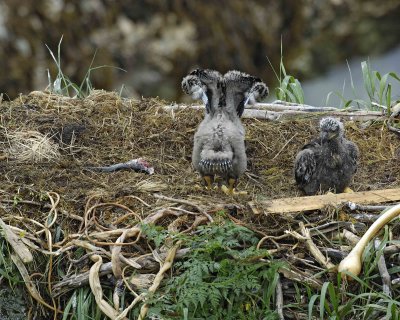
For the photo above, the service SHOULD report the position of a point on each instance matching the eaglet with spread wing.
(219, 147)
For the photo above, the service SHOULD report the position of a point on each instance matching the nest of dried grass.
(100, 208)
(31, 146)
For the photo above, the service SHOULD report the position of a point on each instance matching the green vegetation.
(63, 85)
(12, 304)
(363, 298)
(289, 88)
(222, 278)
(377, 87)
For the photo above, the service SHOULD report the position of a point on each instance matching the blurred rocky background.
(157, 42)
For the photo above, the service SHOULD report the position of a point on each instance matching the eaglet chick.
(327, 163)
(219, 147)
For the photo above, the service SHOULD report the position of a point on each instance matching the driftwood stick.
(392, 128)
(355, 206)
(392, 249)
(348, 236)
(335, 254)
(294, 274)
(290, 112)
(383, 271)
(279, 105)
(309, 203)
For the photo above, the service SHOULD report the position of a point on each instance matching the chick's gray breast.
(326, 163)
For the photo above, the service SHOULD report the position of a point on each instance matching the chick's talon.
(208, 181)
(348, 190)
(232, 192)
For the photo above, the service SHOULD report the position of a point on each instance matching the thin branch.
(279, 299)
(317, 254)
(383, 271)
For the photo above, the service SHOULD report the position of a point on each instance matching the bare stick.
(364, 217)
(279, 299)
(145, 262)
(317, 254)
(355, 206)
(383, 271)
(278, 112)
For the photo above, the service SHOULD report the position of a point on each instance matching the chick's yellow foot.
(209, 181)
(230, 190)
(348, 190)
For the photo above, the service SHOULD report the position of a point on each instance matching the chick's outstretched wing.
(242, 88)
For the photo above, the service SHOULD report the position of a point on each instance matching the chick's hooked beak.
(329, 135)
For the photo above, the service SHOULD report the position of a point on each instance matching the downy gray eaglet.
(219, 147)
(327, 163)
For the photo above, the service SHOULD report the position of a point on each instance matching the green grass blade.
(394, 76)
(311, 306)
(323, 304)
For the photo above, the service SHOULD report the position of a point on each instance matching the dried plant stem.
(159, 196)
(29, 284)
(94, 281)
(16, 243)
(157, 280)
(160, 275)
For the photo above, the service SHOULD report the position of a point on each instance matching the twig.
(279, 299)
(383, 271)
(348, 236)
(392, 249)
(355, 206)
(139, 199)
(303, 277)
(146, 262)
(322, 260)
(284, 146)
(364, 217)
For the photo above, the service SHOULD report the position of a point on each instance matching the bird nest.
(76, 207)
(31, 146)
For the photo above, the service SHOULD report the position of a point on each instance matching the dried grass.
(31, 146)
